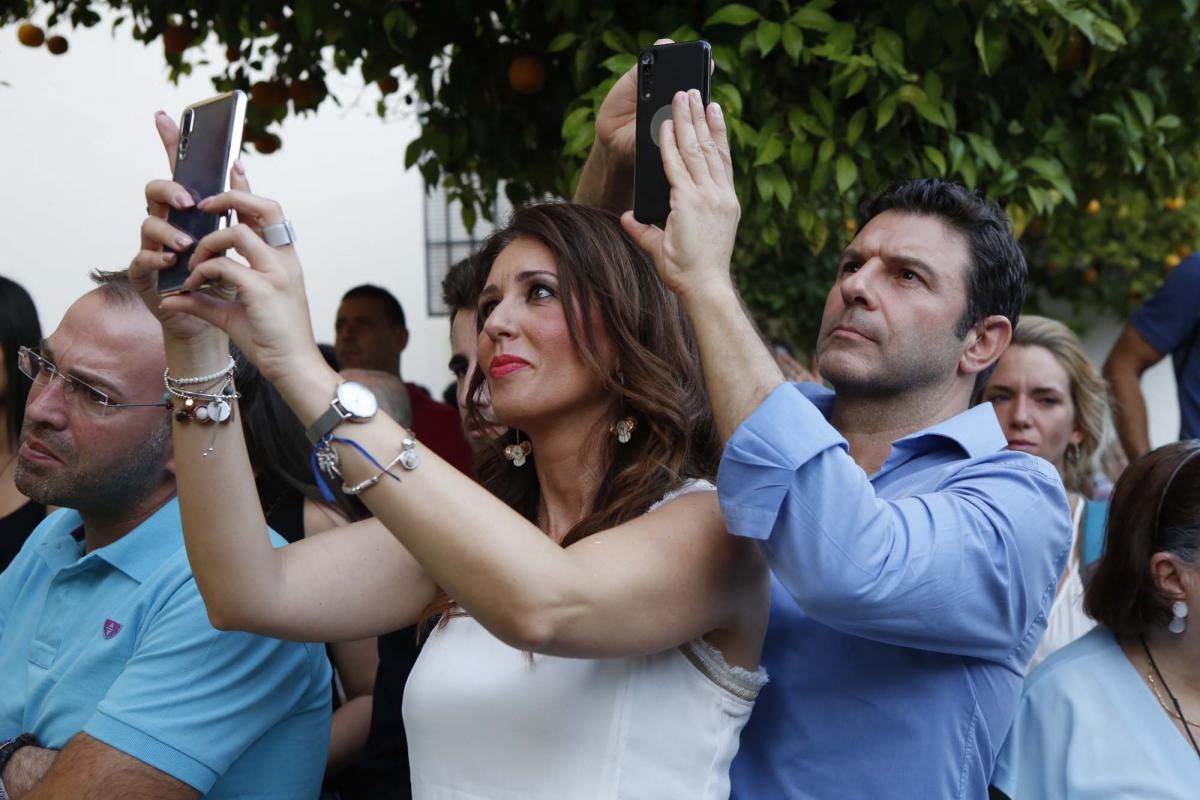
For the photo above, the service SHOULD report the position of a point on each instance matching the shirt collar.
(976, 431)
(138, 553)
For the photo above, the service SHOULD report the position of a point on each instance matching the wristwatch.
(353, 402)
(7, 748)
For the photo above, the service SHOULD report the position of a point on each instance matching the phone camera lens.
(647, 58)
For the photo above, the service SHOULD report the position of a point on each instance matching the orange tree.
(1078, 116)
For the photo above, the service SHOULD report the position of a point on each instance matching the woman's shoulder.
(1095, 652)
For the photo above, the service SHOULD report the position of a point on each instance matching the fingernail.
(716, 109)
(183, 241)
(239, 167)
(184, 200)
(168, 257)
(160, 113)
(694, 96)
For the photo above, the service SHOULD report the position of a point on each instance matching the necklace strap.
(1174, 701)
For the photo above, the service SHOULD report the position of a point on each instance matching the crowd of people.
(638, 560)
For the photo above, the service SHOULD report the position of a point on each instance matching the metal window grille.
(447, 240)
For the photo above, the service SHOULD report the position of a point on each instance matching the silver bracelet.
(408, 458)
(169, 381)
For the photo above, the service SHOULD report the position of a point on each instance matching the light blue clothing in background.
(904, 605)
(117, 643)
(1088, 728)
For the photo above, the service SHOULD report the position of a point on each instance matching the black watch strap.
(11, 746)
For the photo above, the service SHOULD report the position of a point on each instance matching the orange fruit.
(1093, 207)
(30, 35)
(177, 38)
(57, 45)
(303, 93)
(526, 74)
(1172, 261)
(849, 225)
(388, 85)
(269, 94)
(267, 143)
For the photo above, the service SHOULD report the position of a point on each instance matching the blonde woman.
(1053, 403)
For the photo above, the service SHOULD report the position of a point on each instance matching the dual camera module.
(185, 133)
(647, 72)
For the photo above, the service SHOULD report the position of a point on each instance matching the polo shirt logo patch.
(111, 628)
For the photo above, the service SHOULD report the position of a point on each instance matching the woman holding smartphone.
(598, 632)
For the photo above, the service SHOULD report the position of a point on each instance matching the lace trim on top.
(688, 487)
(739, 682)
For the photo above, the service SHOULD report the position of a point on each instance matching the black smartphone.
(663, 70)
(210, 138)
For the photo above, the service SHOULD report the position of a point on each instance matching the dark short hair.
(391, 306)
(996, 270)
(19, 326)
(116, 287)
(1155, 508)
(459, 291)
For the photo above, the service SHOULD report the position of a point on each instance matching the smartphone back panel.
(210, 138)
(663, 70)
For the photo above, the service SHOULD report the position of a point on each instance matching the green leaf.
(769, 151)
(854, 127)
(826, 151)
(574, 119)
(847, 172)
(613, 41)
(781, 186)
(1168, 122)
(413, 152)
(620, 63)
(967, 170)
(1045, 167)
(1145, 106)
(766, 188)
(888, 50)
(732, 14)
(562, 42)
(985, 150)
(768, 34)
(885, 111)
(801, 155)
(936, 158)
(990, 46)
(916, 21)
(469, 216)
(822, 106)
(931, 112)
(793, 40)
(729, 97)
(813, 19)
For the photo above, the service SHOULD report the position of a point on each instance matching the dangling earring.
(1072, 453)
(624, 428)
(1178, 623)
(516, 453)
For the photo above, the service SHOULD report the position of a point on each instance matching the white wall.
(77, 144)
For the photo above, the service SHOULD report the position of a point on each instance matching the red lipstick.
(503, 365)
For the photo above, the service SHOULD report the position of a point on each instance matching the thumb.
(168, 133)
(647, 237)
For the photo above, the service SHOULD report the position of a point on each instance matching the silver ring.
(281, 234)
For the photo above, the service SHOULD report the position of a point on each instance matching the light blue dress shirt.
(1089, 728)
(905, 604)
(117, 643)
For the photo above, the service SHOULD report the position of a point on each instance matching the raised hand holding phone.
(694, 248)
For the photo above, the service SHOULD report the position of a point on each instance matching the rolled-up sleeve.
(963, 561)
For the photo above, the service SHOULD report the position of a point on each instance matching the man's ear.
(984, 344)
(402, 339)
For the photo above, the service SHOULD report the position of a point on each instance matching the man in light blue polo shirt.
(914, 558)
(107, 656)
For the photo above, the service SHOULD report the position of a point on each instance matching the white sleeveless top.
(1067, 620)
(484, 723)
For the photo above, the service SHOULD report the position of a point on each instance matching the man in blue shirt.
(914, 557)
(1169, 322)
(107, 656)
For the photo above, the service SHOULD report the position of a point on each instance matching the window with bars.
(447, 240)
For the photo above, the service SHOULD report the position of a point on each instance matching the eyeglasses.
(91, 400)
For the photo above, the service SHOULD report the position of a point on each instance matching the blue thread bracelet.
(326, 443)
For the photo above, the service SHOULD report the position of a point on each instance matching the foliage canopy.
(1070, 113)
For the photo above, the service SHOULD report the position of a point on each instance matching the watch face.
(357, 399)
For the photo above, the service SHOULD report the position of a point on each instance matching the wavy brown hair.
(603, 274)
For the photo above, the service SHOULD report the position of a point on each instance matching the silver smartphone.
(210, 138)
